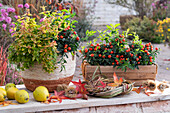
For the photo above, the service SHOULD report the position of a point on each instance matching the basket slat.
(144, 73)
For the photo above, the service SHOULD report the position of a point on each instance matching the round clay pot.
(35, 76)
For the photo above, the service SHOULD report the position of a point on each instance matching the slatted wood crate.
(144, 73)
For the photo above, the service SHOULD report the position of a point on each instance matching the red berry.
(74, 32)
(156, 48)
(92, 55)
(105, 48)
(95, 49)
(151, 49)
(140, 57)
(137, 59)
(123, 40)
(138, 62)
(116, 60)
(103, 56)
(150, 60)
(111, 46)
(147, 48)
(99, 47)
(65, 29)
(97, 44)
(69, 48)
(120, 35)
(117, 63)
(77, 38)
(100, 55)
(66, 46)
(132, 46)
(92, 45)
(110, 43)
(90, 49)
(120, 41)
(65, 50)
(147, 53)
(68, 27)
(150, 57)
(131, 55)
(113, 63)
(109, 56)
(147, 45)
(142, 49)
(116, 40)
(111, 52)
(117, 56)
(61, 37)
(104, 44)
(121, 56)
(86, 50)
(127, 50)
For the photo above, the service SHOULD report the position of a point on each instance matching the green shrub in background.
(145, 28)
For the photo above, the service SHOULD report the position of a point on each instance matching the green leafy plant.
(113, 49)
(145, 28)
(43, 40)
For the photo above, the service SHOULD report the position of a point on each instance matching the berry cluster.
(117, 51)
(67, 41)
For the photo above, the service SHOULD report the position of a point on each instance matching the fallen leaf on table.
(137, 90)
(81, 89)
(149, 93)
(7, 103)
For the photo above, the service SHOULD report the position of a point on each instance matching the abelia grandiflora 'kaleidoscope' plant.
(113, 49)
(43, 40)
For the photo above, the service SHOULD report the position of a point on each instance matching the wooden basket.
(138, 76)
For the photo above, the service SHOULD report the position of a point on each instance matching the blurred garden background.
(150, 19)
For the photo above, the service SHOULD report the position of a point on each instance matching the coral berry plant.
(113, 49)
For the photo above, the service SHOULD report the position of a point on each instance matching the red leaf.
(115, 78)
(80, 87)
(149, 93)
(103, 84)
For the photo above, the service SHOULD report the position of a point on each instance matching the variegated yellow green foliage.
(35, 40)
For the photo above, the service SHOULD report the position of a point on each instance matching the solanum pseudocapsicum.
(113, 45)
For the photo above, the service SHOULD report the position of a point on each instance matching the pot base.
(51, 85)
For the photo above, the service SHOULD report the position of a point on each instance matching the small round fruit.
(92, 55)
(11, 93)
(77, 38)
(9, 85)
(41, 94)
(65, 50)
(22, 96)
(69, 48)
(3, 91)
(86, 50)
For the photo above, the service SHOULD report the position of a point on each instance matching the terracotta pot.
(35, 76)
(138, 76)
